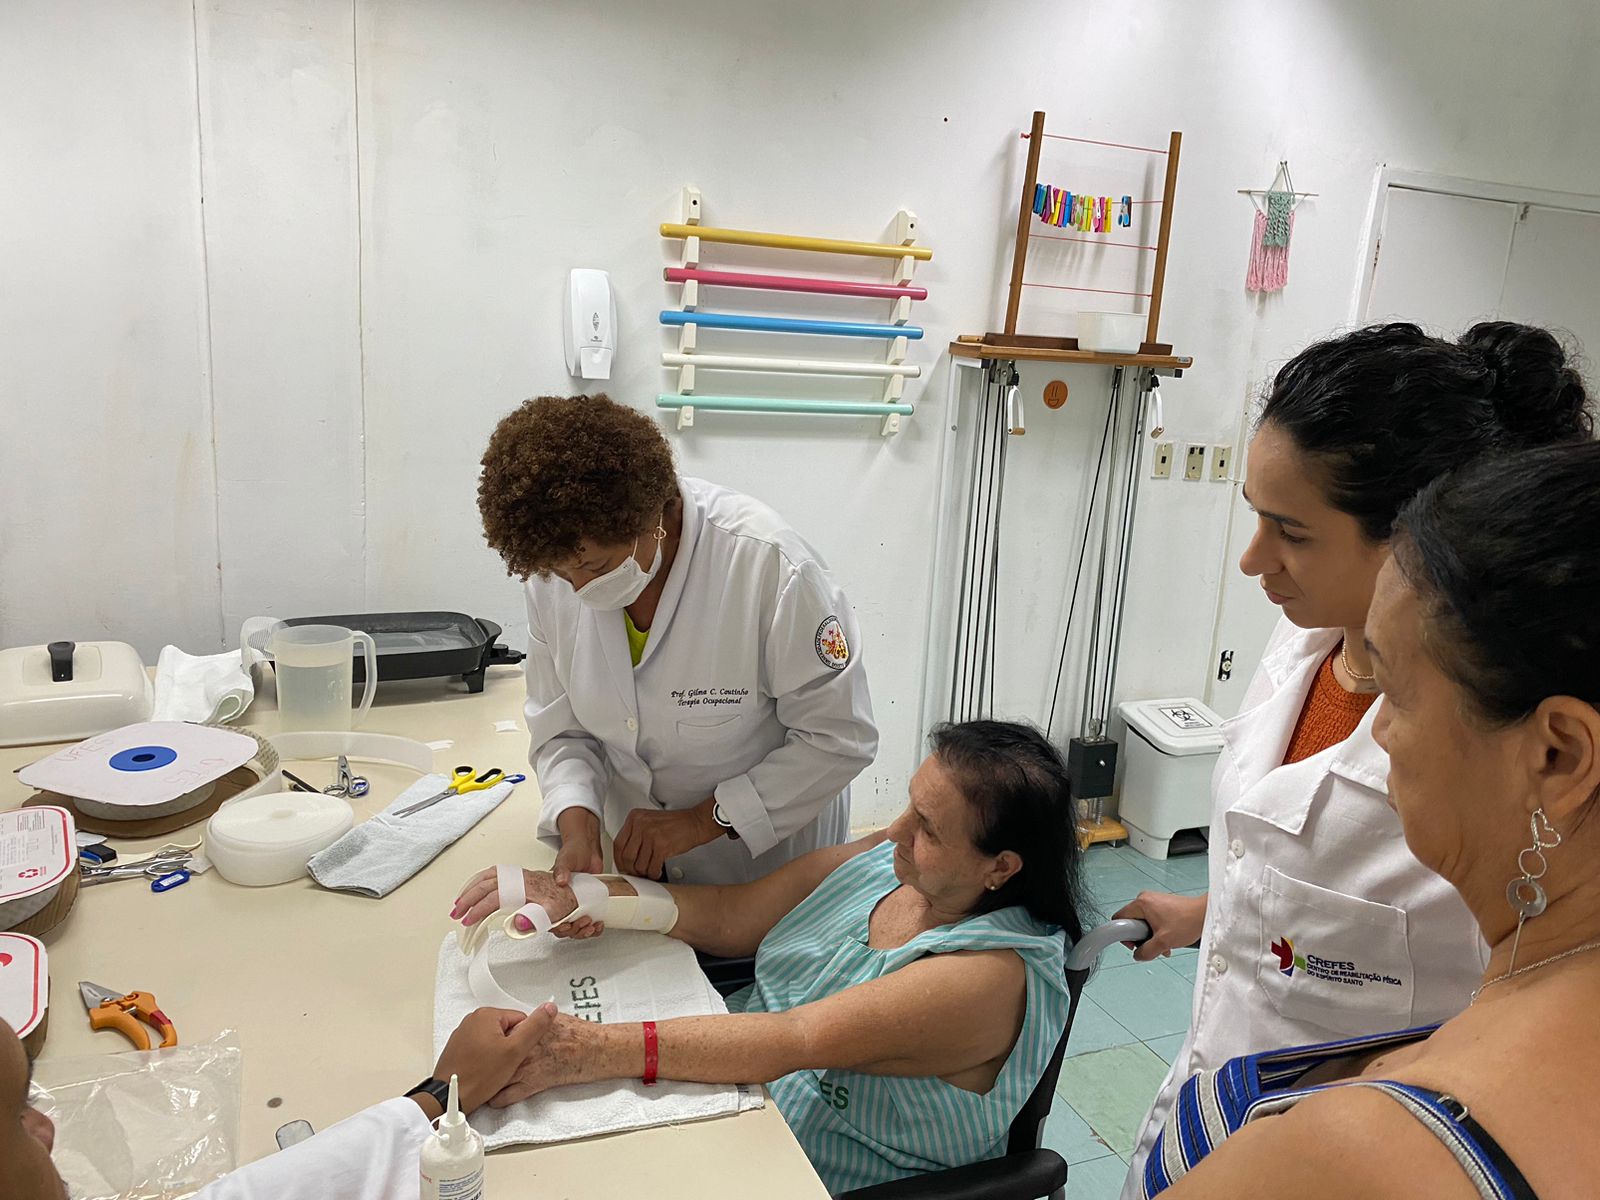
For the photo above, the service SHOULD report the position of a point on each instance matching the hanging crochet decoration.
(1274, 226)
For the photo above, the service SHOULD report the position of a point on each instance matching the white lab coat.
(1311, 854)
(751, 688)
(374, 1155)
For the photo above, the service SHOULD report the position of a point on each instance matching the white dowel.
(789, 366)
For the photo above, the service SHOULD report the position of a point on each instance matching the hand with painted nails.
(481, 897)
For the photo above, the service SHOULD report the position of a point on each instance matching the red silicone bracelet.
(651, 1054)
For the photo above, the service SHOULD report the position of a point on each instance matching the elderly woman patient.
(909, 987)
(1485, 630)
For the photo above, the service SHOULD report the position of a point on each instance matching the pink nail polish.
(523, 924)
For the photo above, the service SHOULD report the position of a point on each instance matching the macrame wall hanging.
(1274, 227)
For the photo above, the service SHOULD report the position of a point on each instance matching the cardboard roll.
(37, 915)
(25, 989)
(179, 812)
(38, 868)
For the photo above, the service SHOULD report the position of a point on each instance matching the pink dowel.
(793, 283)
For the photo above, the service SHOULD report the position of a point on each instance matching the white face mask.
(625, 583)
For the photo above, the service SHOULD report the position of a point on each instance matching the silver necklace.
(1543, 962)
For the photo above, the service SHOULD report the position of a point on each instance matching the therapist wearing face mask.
(1319, 923)
(695, 682)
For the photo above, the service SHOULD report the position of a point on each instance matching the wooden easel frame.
(1019, 257)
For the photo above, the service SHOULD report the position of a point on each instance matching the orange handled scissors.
(124, 1012)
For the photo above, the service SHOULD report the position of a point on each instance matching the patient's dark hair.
(1017, 784)
(1384, 410)
(1503, 556)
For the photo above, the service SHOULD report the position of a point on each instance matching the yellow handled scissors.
(462, 780)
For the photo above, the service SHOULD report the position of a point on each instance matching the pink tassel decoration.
(1269, 265)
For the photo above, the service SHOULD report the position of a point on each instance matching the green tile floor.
(1130, 1023)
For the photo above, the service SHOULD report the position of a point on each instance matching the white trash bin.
(1168, 758)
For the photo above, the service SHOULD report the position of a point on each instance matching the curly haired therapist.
(694, 672)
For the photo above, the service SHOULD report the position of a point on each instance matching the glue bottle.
(452, 1158)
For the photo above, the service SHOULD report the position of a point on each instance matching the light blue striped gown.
(864, 1129)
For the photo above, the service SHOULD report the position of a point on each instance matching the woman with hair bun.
(1319, 923)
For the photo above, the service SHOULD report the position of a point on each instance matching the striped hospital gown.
(864, 1129)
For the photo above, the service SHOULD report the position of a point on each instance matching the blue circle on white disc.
(143, 758)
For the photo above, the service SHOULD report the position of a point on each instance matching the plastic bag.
(143, 1125)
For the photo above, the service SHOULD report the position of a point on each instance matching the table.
(353, 1026)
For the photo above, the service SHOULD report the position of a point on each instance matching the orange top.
(1330, 715)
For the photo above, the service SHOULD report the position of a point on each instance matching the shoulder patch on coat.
(832, 648)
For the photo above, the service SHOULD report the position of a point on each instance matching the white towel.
(632, 976)
(207, 688)
(384, 851)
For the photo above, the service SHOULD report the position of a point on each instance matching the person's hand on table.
(486, 1051)
(481, 897)
(554, 1061)
(1175, 922)
(649, 837)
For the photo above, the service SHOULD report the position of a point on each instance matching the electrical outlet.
(1194, 462)
(1161, 461)
(1221, 463)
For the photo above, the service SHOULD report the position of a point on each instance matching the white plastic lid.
(1176, 725)
(262, 840)
(24, 982)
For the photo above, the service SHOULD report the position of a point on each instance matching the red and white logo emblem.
(832, 648)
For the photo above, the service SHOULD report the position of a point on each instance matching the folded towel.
(383, 852)
(621, 976)
(213, 688)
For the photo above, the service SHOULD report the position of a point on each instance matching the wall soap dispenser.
(590, 323)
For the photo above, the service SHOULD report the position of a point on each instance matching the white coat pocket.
(1331, 961)
(717, 740)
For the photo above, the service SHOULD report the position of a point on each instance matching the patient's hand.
(557, 1060)
(481, 897)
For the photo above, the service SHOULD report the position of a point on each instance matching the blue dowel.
(712, 320)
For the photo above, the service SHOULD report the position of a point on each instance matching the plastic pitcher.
(315, 669)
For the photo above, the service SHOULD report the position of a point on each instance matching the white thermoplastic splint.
(652, 908)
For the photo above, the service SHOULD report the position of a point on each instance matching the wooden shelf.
(988, 350)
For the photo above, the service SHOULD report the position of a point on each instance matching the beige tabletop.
(349, 1023)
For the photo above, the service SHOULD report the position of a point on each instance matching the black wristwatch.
(439, 1089)
(721, 818)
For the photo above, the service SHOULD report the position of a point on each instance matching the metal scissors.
(110, 1009)
(462, 781)
(163, 862)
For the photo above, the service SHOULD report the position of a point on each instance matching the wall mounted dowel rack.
(890, 371)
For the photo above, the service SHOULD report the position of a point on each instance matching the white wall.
(275, 401)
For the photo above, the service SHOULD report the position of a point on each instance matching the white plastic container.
(67, 691)
(259, 841)
(452, 1157)
(1111, 332)
(1170, 753)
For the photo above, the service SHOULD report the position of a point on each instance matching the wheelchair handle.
(1087, 951)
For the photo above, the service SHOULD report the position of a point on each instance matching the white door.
(1443, 259)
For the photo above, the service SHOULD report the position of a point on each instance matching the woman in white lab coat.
(1319, 923)
(695, 682)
